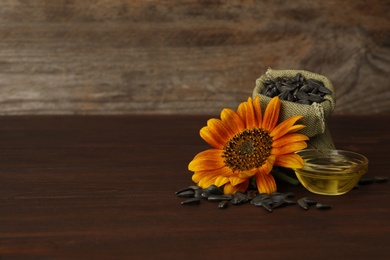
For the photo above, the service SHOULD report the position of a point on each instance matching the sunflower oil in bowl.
(331, 172)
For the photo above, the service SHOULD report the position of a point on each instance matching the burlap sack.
(315, 114)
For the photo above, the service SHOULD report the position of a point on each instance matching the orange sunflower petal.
(257, 108)
(221, 180)
(241, 111)
(207, 160)
(268, 165)
(295, 128)
(208, 177)
(289, 138)
(251, 119)
(204, 179)
(217, 127)
(197, 176)
(246, 112)
(247, 174)
(293, 161)
(235, 180)
(288, 148)
(207, 180)
(212, 139)
(265, 182)
(284, 127)
(231, 189)
(271, 114)
(232, 120)
(224, 171)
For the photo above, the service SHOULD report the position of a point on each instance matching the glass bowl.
(331, 172)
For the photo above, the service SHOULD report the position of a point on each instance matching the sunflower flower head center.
(248, 149)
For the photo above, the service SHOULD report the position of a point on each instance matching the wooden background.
(187, 56)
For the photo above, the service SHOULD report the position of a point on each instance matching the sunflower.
(246, 145)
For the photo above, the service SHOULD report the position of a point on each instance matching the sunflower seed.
(239, 198)
(223, 204)
(279, 86)
(365, 181)
(290, 202)
(306, 88)
(291, 97)
(309, 201)
(278, 197)
(211, 190)
(290, 194)
(265, 205)
(191, 201)
(322, 206)
(277, 193)
(279, 204)
(297, 77)
(315, 82)
(315, 98)
(192, 187)
(186, 194)
(303, 204)
(252, 193)
(198, 193)
(314, 91)
(380, 179)
(301, 95)
(265, 201)
(324, 89)
(283, 95)
(305, 102)
(260, 197)
(220, 197)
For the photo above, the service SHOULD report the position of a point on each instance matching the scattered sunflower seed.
(191, 201)
(309, 201)
(365, 181)
(303, 204)
(380, 179)
(260, 197)
(322, 206)
(264, 205)
(223, 204)
(198, 193)
(186, 194)
(264, 201)
(220, 197)
(278, 197)
(279, 204)
(211, 190)
(192, 187)
(252, 193)
(290, 194)
(289, 202)
(239, 198)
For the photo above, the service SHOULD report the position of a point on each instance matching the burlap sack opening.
(315, 114)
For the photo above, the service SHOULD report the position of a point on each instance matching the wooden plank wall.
(186, 56)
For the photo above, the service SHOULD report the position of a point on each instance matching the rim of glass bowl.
(360, 160)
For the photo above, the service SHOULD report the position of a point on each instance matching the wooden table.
(102, 187)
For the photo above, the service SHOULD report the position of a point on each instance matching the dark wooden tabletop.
(102, 187)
